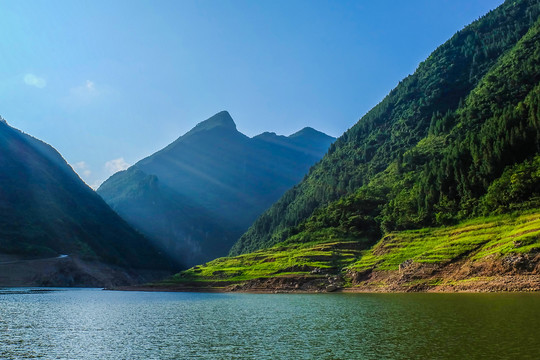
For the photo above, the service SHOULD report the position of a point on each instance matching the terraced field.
(476, 239)
(308, 260)
(400, 261)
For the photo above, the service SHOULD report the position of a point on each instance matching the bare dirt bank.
(516, 283)
(520, 272)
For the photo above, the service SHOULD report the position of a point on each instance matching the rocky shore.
(518, 273)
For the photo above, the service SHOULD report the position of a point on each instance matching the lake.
(95, 324)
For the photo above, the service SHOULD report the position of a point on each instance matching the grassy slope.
(475, 240)
(278, 261)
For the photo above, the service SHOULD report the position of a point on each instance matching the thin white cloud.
(90, 86)
(33, 80)
(116, 165)
(83, 94)
(82, 168)
(87, 93)
(86, 90)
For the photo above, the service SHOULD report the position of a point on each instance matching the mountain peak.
(307, 131)
(220, 120)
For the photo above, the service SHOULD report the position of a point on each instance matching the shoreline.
(339, 291)
(452, 278)
(491, 288)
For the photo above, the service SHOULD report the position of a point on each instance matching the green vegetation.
(281, 260)
(517, 188)
(475, 239)
(445, 168)
(441, 148)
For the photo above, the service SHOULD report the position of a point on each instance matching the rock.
(331, 288)
(405, 265)
(236, 287)
(517, 262)
(358, 276)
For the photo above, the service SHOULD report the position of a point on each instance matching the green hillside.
(478, 239)
(505, 241)
(46, 210)
(437, 187)
(429, 151)
(487, 163)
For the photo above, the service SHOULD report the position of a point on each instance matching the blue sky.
(110, 82)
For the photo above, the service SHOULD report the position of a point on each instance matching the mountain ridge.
(422, 194)
(47, 210)
(223, 175)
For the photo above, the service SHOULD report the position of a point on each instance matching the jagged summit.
(211, 183)
(308, 136)
(220, 120)
(305, 133)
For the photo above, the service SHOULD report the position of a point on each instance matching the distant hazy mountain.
(197, 195)
(46, 210)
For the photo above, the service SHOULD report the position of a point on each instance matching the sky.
(108, 83)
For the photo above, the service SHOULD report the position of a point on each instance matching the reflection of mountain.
(198, 194)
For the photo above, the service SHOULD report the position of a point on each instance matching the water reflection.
(93, 324)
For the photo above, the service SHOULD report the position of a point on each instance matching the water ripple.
(93, 324)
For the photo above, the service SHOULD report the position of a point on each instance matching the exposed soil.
(520, 272)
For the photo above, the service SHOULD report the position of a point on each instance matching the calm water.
(94, 324)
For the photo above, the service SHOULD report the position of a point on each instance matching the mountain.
(47, 211)
(196, 196)
(445, 99)
(437, 188)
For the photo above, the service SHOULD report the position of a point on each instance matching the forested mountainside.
(456, 139)
(195, 197)
(447, 199)
(46, 210)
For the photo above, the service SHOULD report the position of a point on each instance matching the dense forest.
(457, 139)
